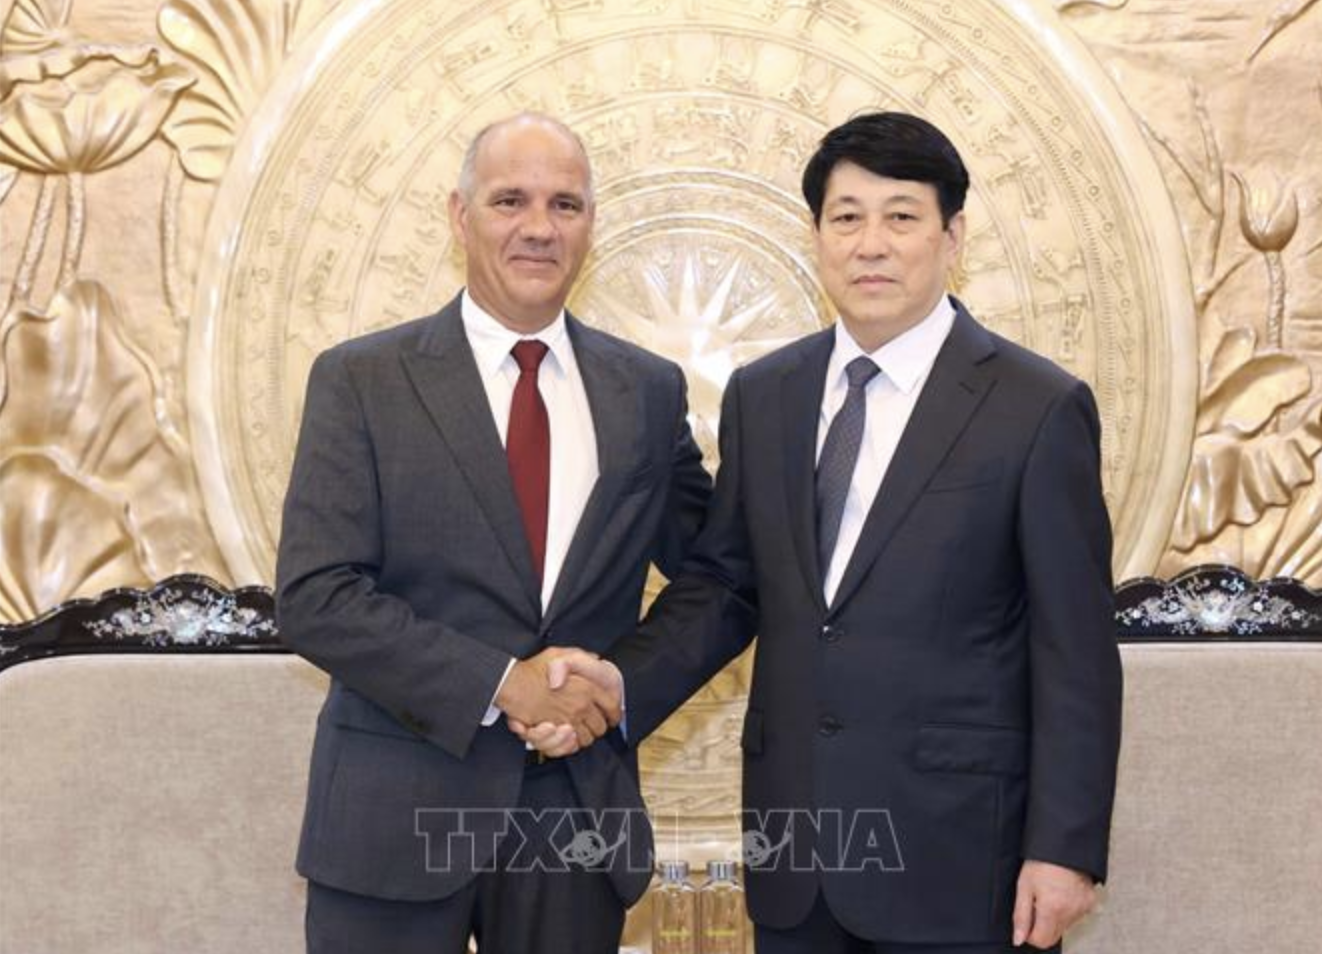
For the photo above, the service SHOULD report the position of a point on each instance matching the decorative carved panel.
(330, 222)
(118, 124)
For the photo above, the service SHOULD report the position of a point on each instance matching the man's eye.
(844, 218)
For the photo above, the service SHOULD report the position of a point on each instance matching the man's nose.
(537, 223)
(874, 240)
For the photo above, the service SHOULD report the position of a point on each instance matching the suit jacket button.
(829, 726)
(832, 634)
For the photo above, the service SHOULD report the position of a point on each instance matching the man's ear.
(458, 209)
(955, 233)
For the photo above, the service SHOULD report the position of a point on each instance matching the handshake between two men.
(562, 699)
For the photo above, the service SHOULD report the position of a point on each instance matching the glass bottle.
(721, 911)
(675, 911)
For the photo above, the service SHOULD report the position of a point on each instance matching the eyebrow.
(519, 192)
(848, 199)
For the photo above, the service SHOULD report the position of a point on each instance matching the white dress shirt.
(574, 467)
(905, 362)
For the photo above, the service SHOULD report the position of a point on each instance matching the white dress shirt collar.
(906, 359)
(492, 341)
(891, 397)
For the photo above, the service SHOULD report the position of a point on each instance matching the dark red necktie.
(528, 447)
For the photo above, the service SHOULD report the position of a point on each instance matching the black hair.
(894, 145)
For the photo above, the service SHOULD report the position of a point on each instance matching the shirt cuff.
(494, 711)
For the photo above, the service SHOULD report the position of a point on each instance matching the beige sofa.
(1216, 843)
(150, 803)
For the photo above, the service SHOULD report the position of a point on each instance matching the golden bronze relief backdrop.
(196, 196)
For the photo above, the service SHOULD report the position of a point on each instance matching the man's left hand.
(1049, 899)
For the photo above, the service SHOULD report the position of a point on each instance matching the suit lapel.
(956, 386)
(801, 407)
(444, 374)
(613, 398)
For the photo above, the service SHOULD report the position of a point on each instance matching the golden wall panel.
(1230, 100)
(119, 120)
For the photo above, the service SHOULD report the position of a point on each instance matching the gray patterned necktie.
(835, 468)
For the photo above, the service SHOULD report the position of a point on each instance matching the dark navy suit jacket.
(957, 708)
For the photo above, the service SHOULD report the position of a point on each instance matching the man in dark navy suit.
(909, 515)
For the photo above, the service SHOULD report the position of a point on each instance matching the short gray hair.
(468, 168)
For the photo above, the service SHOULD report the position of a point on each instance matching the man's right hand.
(559, 739)
(535, 695)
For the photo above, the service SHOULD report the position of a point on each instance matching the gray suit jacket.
(404, 572)
(956, 709)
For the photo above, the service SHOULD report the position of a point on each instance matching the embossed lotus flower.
(1242, 466)
(85, 108)
(1268, 216)
(35, 25)
(237, 47)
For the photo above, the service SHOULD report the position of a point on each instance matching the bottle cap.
(721, 870)
(674, 871)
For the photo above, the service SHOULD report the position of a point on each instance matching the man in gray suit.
(467, 487)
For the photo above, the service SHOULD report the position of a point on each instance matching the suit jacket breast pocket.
(966, 475)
